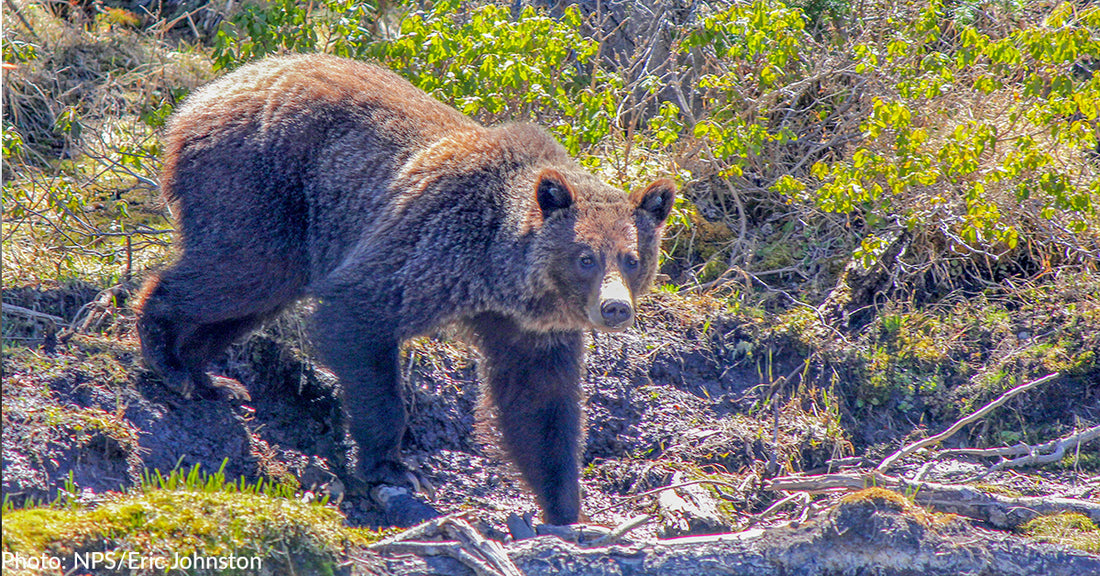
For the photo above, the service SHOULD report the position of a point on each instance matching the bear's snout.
(613, 310)
(616, 312)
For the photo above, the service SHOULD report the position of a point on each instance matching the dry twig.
(1034, 456)
(27, 25)
(981, 412)
(485, 557)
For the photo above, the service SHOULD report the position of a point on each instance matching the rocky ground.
(671, 401)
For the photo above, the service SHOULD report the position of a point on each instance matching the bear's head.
(598, 246)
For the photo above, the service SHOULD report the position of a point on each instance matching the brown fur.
(313, 175)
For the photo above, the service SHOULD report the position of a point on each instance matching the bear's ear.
(656, 199)
(553, 193)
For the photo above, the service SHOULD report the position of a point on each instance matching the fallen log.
(871, 535)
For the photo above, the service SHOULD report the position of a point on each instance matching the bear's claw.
(227, 389)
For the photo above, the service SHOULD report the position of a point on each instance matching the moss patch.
(1069, 529)
(881, 498)
(287, 535)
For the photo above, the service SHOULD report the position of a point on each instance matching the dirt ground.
(670, 401)
(659, 405)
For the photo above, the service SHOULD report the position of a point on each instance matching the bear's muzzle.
(613, 310)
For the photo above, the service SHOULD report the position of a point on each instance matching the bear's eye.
(630, 261)
(586, 261)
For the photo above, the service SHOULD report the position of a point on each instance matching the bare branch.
(980, 413)
(14, 310)
(1035, 457)
(1019, 449)
(622, 529)
(995, 509)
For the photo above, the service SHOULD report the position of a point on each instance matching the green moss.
(1068, 528)
(882, 498)
(997, 489)
(773, 256)
(185, 514)
(166, 523)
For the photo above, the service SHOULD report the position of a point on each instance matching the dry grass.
(81, 107)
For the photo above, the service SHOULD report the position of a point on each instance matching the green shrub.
(480, 59)
(339, 27)
(496, 67)
(982, 134)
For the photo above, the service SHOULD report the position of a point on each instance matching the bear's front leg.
(358, 345)
(534, 380)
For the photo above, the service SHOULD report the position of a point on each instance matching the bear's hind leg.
(205, 341)
(190, 313)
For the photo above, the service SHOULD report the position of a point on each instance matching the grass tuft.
(1068, 528)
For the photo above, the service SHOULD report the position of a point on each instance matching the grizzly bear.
(338, 180)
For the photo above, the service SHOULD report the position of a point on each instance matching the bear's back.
(308, 143)
(274, 91)
(291, 105)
